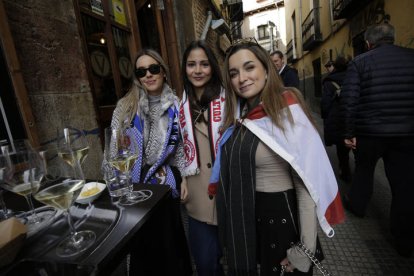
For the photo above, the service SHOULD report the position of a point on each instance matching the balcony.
(345, 9)
(311, 30)
(291, 52)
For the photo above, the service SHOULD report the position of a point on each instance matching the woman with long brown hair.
(272, 176)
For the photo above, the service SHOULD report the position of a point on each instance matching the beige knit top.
(273, 174)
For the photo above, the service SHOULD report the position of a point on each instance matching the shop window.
(106, 32)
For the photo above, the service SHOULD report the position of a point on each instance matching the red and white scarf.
(215, 120)
(300, 145)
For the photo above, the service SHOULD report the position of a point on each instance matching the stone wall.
(49, 49)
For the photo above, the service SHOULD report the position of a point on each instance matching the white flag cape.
(301, 146)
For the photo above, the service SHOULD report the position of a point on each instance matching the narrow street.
(363, 246)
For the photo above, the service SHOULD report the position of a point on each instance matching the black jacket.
(290, 77)
(377, 97)
(330, 108)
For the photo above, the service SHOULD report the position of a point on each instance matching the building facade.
(265, 21)
(68, 62)
(321, 30)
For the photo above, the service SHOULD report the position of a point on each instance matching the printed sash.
(216, 116)
(159, 172)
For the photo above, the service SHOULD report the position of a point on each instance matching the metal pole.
(6, 123)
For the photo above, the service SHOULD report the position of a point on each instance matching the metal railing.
(347, 8)
(311, 31)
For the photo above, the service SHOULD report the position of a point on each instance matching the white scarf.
(216, 117)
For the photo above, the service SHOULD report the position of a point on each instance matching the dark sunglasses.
(154, 69)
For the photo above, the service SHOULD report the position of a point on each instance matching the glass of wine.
(22, 175)
(121, 152)
(72, 140)
(60, 187)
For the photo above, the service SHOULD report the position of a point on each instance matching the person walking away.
(331, 86)
(151, 108)
(288, 74)
(201, 115)
(270, 161)
(329, 66)
(377, 102)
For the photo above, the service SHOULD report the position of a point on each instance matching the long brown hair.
(213, 87)
(271, 95)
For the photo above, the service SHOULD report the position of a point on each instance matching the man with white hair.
(377, 106)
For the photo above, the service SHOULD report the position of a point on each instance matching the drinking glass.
(70, 140)
(121, 152)
(60, 187)
(22, 175)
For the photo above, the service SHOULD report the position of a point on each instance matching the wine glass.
(60, 187)
(121, 152)
(22, 175)
(70, 140)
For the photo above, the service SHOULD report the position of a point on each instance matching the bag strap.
(337, 86)
(312, 257)
(314, 260)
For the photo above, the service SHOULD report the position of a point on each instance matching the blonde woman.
(151, 108)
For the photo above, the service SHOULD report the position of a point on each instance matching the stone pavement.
(363, 246)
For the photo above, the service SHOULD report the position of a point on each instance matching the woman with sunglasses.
(272, 176)
(151, 108)
(201, 115)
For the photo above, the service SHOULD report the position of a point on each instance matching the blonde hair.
(131, 99)
(271, 95)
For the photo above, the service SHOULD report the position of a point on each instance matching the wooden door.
(15, 109)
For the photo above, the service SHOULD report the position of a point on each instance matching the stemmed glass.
(121, 152)
(22, 175)
(71, 140)
(60, 187)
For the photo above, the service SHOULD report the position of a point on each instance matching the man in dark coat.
(288, 74)
(377, 103)
(331, 86)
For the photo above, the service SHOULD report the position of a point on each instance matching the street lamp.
(219, 26)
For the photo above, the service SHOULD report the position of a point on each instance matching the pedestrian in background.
(329, 66)
(288, 74)
(331, 86)
(377, 101)
(201, 115)
(270, 162)
(151, 108)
